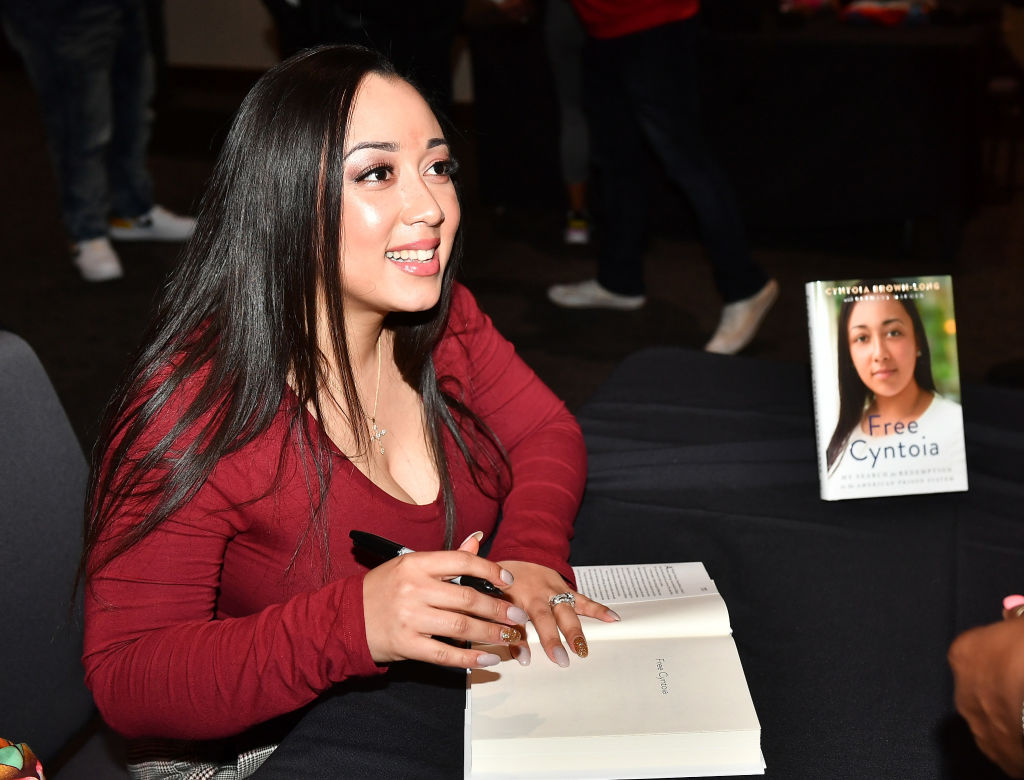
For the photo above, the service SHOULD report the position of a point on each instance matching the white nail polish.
(522, 654)
(478, 535)
(561, 657)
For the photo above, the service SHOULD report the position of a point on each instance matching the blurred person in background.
(416, 36)
(640, 87)
(90, 64)
(564, 37)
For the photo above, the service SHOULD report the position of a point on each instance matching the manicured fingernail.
(1013, 601)
(560, 656)
(614, 615)
(579, 646)
(522, 654)
(506, 577)
(478, 535)
(510, 634)
(488, 659)
(517, 615)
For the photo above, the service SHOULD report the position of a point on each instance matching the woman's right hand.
(408, 601)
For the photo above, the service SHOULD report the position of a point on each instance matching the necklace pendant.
(378, 434)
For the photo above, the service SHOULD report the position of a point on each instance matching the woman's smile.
(419, 258)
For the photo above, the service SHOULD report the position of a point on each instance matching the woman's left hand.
(533, 589)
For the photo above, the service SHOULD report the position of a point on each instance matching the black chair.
(42, 487)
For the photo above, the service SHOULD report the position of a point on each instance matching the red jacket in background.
(614, 18)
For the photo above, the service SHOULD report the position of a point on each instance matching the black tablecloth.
(405, 726)
(842, 611)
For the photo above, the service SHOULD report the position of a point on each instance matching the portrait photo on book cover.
(894, 405)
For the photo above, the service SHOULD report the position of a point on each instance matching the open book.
(661, 693)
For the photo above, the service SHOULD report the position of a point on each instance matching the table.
(842, 612)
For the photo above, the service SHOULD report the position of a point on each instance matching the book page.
(650, 708)
(643, 582)
(693, 616)
(654, 599)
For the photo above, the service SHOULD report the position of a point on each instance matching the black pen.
(387, 549)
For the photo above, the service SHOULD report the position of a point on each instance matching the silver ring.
(1018, 611)
(563, 598)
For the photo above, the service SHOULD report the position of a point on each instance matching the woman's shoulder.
(940, 401)
(177, 408)
(466, 321)
(153, 411)
(170, 386)
(469, 338)
(464, 310)
(943, 407)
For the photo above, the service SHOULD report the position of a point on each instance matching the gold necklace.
(378, 433)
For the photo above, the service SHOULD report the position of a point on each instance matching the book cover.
(886, 382)
(661, 694)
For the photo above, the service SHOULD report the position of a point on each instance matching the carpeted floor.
(84, 333)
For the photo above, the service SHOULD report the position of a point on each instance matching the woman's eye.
(376, 173)
(443, 168)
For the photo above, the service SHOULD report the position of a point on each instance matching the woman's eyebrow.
(890, 321)
(383, 146)
(389, 146)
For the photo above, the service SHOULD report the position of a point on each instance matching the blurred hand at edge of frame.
(988, 676)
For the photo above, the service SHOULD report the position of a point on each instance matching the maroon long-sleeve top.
(208, 626)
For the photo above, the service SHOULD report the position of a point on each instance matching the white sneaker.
(96, 260)
(158, 224)
(741, 319)
(591, 295)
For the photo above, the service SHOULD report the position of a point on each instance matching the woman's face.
(883, 346)
(399, 208)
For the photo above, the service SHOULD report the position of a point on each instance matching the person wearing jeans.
(90, 64)
(641, 91)
(564, 39)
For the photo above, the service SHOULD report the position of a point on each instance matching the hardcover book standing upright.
(886, 387)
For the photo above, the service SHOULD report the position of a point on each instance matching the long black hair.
(238, 317)
(853, 394)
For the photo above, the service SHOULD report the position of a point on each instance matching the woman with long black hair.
(313, 368)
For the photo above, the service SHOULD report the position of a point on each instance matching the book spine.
(816, 317)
